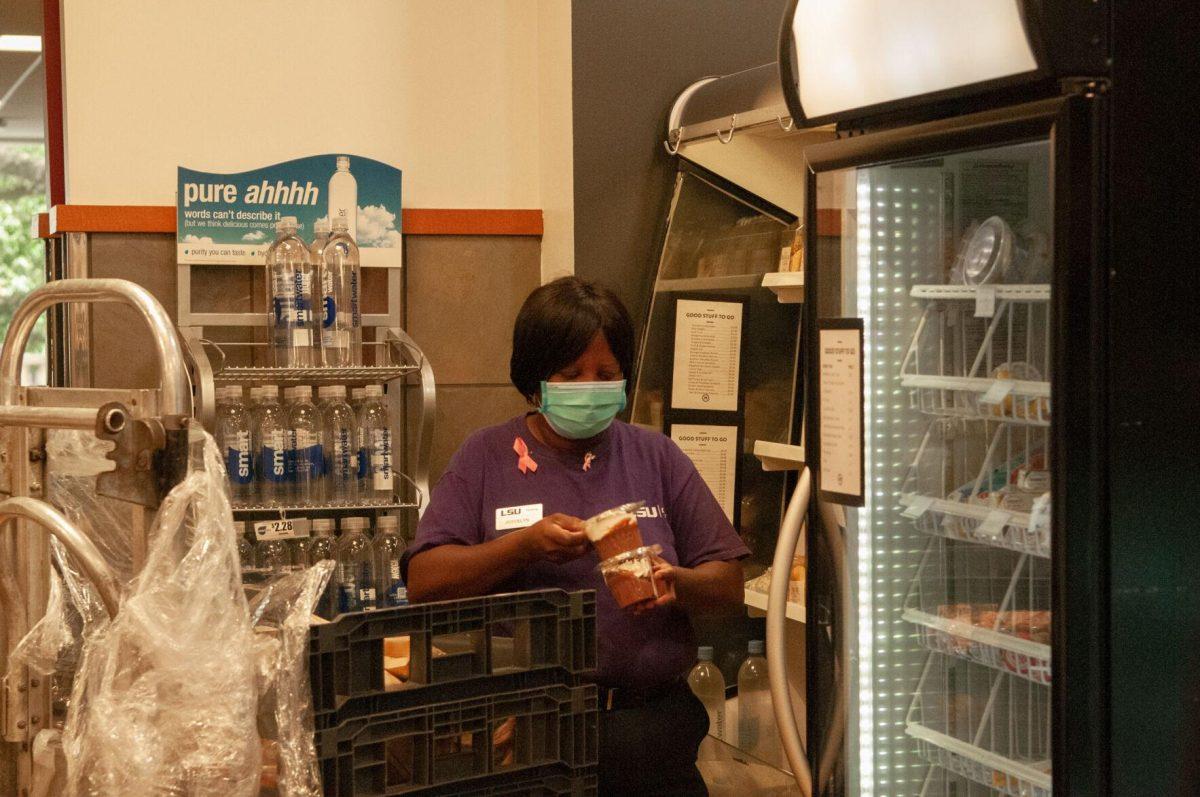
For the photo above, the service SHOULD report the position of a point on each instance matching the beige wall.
(471, 99)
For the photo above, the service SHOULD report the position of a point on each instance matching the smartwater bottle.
(707, 683)
(341, 320)
(290, 283)
(316, 250)
(271, 445)
(389, 547)
(355, 567)
(338, 437)
(304, 445)
(343, 196)
(245, 546)
(756, 721)
(233, 435)
(375, 478)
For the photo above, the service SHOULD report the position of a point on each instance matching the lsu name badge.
(509, 518)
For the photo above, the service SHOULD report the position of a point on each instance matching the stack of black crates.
(494, 701)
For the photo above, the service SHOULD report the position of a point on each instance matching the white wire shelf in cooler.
(981, 352)
(983, 482)
(315, 375)
(986, 726)
(984, 605)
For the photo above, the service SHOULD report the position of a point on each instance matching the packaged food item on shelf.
(615, 531)
(1037, 408)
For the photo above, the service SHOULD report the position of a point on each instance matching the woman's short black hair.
(557, 323)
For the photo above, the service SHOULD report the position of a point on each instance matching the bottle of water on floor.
(355, 567)
(233, 435)
(389, 548)
(320, 546)
(271, 446)
(341, 318)
(708, 684)
(338, 438)
(375, 478)
(756, 720)
(290, 283)
(304, 445)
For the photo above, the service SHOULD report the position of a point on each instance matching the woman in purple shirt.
(506, 515)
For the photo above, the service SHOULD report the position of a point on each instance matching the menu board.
(708, 347)
(713, 450)
(840, 397)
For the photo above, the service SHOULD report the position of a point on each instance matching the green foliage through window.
(22, 197)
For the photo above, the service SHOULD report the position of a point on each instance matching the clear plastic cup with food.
(615, 531)
(630, 576)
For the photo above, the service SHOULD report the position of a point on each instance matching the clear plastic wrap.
(165, 698)
(42, 647)
(73, 459)
(281, 612)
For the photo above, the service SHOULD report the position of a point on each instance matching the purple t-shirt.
(628, 464)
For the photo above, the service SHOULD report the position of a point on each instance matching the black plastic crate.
(581, 783)
(477, 746)
(463, 647)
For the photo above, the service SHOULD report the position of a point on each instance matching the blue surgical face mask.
(579, 410)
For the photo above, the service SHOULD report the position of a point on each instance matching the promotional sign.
(840, 410)
(230, 218)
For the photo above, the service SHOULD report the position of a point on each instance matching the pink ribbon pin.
(524, 462)
(587, 460)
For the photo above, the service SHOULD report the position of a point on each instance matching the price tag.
(993, 525)
(282, 529)
(996, 393)
(985, 301)
(918, 506)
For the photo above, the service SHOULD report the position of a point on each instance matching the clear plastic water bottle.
(389, 547)
(320, 544)
(355, 567)
(707, 683)
(245, 544)
(290, 282)
(343, 195)
(341, 319)
(357, 394)
(338, 438)
(275, 556)
(304, 445)
(375, 477)
(756, 720)
(316, 250)
(271, 445)
(233, 435)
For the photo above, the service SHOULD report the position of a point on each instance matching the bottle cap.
(286, 222)
(332, 391)
(339, 223)
(269, 391)
(298, 392)
(755, 647)
(343, 163)
(373, 391)
(226, 393)
(321, 226)
(387, 523)
(355, 523)
(704, 653)
(323, 526)
(357, 393)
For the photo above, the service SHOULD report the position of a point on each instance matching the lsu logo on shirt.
(650, 512)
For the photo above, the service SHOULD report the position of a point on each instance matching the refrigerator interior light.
(10, 43)
(860, 53)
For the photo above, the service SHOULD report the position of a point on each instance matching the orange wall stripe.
(417, 221)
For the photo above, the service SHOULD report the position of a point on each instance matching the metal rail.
(175, 390)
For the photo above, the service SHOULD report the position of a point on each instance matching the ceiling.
(21, 118)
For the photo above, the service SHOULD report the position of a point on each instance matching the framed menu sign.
(840, 410)
(707, 354)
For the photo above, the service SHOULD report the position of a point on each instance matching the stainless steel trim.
(48, 417)
(777, 665)
(76, 346)
(424, 447)
(176, 392)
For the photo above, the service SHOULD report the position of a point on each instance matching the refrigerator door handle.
(781, 567)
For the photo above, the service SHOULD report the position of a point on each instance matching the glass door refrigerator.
(950, 274)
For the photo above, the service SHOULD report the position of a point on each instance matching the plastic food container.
(630, 575)
(615, 531)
